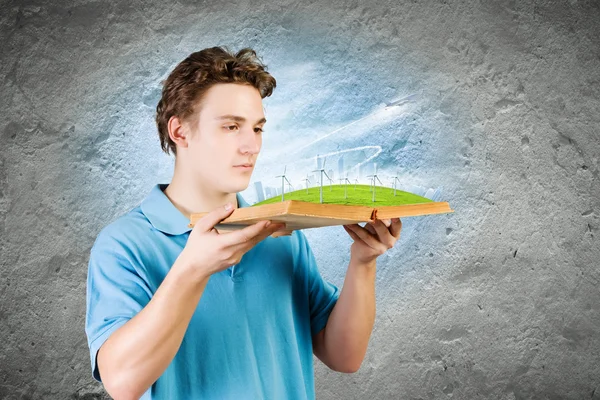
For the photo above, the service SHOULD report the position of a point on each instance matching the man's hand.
(207, 251)
(374, 239)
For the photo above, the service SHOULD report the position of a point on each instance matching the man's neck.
(189, 198)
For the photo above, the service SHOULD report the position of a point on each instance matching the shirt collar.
(164, 216)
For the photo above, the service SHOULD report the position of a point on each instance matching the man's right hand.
(207, 251)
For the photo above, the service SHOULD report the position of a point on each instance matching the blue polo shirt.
(250, 336)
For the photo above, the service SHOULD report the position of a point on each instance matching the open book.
(298, 214)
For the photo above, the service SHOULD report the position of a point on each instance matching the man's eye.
(259, 129)
(230, 126)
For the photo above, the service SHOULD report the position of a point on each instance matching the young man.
(181, 313)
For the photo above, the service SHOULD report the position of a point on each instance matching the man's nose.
(251, 142)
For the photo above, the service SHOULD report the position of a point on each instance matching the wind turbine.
(344, 180)
(395, 179)
(322, 171)
(307, 182)
(330, 181)
(283, 180)
(373, 177)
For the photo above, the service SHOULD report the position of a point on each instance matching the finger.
(366, 237)
(386, 222)
(208, 221)
(274, 227)
(252, 234)
(396, 227)
(246, 234)
(353, 235)
(266, 232)
(369, 226)
(383, 233)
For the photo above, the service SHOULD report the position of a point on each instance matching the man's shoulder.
(126, 230)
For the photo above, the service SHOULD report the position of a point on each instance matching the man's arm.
(342, 345)
(137, 353)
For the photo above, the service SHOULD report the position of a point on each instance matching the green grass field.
(362, 196)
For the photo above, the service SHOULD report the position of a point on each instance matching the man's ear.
(178, 131)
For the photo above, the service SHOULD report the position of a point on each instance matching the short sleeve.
(115, 293)
(322, 294)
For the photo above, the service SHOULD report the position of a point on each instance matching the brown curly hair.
(183, 90)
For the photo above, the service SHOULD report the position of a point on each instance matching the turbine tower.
(283, 180)
(330, 180)
(373, 178)
(395, 178)
(307, 182)
(344, 180)
(322, 171)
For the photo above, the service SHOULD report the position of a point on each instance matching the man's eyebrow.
(239, 118)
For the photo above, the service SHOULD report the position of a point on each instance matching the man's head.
(211, 115)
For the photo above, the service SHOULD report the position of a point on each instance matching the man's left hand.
(374, 239)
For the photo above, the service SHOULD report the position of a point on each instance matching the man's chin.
(241, 183)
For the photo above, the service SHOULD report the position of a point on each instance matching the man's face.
(228, 133)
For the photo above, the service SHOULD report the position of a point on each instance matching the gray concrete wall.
(499, 300)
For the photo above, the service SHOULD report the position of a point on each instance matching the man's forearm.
(351, 321)
(137, 353)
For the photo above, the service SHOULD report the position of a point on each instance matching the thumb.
(208, 221)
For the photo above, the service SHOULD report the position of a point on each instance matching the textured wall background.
(499, 300)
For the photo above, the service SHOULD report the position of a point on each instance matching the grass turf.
(361, 196)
